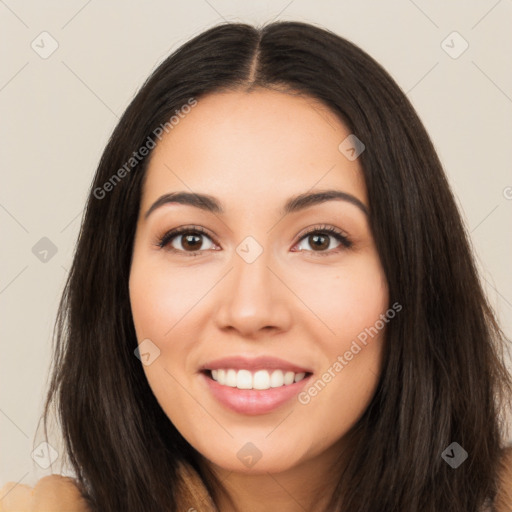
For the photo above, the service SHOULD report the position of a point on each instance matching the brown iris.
(193, 241)
(317, 241)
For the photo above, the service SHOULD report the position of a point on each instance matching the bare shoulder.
(52, 493)
(504, 497)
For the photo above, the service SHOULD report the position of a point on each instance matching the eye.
(319, 238)
(188, 239)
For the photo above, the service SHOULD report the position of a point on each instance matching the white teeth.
(231, 378)
(244, 379)
(277, 379)
(288, 378)
(261, 379)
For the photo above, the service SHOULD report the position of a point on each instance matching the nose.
(253, 298)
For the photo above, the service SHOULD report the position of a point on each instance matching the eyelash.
(167, 237)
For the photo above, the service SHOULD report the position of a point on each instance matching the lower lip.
(253, 401)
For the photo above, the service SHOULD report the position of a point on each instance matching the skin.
(253, 151)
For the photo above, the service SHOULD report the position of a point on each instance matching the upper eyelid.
(331, 230)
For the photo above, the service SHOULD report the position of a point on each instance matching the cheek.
(346, 383)
(346, 300)
(351, 303)
(162, 303)
(161, 296)
(156, 309)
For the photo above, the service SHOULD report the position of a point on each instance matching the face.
(286, 309)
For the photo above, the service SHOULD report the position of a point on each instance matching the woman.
(273, 303)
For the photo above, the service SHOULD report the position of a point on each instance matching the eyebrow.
(294, 204)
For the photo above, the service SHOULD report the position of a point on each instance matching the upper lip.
(254, 363)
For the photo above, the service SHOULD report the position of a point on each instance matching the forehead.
(258, 146)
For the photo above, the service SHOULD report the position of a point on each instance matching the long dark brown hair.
(443, 378)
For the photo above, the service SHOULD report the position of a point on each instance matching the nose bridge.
(251, 297)
(251, 280)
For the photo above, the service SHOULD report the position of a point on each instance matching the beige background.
(58, 112)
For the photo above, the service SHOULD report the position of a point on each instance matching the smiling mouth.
(256, 380)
